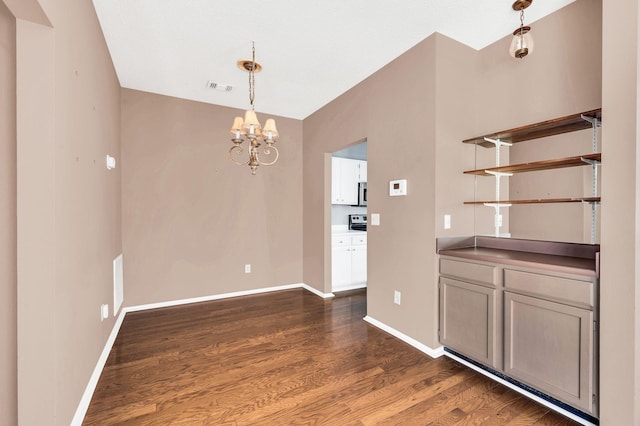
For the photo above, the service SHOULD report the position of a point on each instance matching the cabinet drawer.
(468, 271)
(561, 289)
(340, 240)
(359, 240)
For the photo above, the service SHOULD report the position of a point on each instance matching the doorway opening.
(349, 218)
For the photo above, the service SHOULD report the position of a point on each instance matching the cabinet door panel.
(362, 171)
(340, 267)
(468, 320)
(549, 346)
(359, 263)
(344, 181)
(349, 184)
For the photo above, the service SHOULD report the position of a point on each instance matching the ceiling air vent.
(219, 87)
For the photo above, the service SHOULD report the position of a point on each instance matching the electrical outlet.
(104, 312)
(397, 297)
(247, 268)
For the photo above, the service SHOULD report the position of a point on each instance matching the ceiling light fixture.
(250, 126)
(522, 43)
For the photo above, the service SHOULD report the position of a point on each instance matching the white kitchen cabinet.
(362, 171)
(340, 266)
(344, 181)
(348, 261)
(359, 263)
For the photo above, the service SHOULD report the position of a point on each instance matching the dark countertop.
(579, 259)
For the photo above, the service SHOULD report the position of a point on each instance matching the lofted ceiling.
(311, 51)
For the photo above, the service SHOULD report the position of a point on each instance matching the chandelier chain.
(252, 78)
(522, 17)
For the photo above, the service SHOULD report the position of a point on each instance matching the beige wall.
(383, 109)
(563, 76)
(8, 279)
(620, 280)
(191, 218)
(414, 114)
(68, 205)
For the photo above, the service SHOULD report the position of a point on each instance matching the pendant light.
(522, 43)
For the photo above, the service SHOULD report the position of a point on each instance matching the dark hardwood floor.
(286, 358)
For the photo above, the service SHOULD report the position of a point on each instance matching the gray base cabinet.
(549, 346)
(535, 326)
(468, 319)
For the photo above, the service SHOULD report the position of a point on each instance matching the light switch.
(447, 221)
(111, 162)
(375, 219)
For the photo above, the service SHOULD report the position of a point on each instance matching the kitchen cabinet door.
(468, 320)
(340, 267)
(359, 263)
(362, 171)
(344, 181)
(549, 345)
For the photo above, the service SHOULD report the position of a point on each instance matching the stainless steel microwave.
(362, 194)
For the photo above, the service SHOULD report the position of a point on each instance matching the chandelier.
(250, 129)
(522, 43)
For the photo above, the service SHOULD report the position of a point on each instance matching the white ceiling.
(311, 51)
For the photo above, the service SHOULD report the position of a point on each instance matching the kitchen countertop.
(579, 259)
(344, 230)
(347, 232)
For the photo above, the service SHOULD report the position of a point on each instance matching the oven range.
(358, 222)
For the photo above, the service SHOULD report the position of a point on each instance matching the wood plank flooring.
(289, 358)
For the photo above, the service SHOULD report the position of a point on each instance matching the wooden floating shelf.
(557, 126)
(539, 165)
(540, 201)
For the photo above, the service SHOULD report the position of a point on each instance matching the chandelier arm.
(267, 151)
(239, 150)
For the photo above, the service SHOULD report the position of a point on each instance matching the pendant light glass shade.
(522, 43)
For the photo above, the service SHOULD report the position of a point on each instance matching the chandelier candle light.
(522, 43)
(250, 128)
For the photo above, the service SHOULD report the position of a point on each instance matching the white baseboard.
(350, 287)
(521, 391)
(83, 406)
(226, 296)
(317, 292)
(433, 353)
